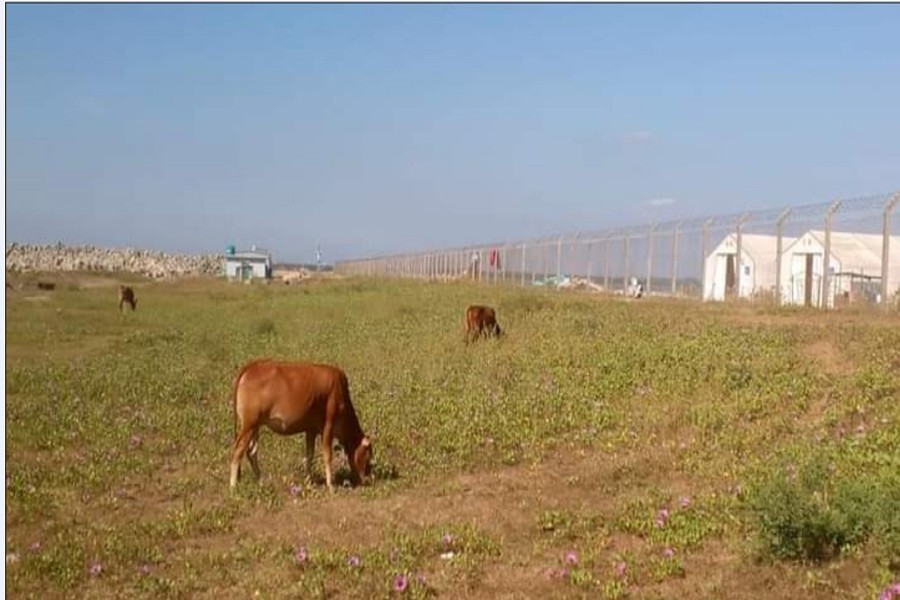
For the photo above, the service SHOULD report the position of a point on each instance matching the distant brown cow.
(294, 397)
(480, 321)
(126, 296)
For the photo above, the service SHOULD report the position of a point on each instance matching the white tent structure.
(757, 264)
(855, 267)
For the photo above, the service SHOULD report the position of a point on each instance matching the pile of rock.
(159, 265)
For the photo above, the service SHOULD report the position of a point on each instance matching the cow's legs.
(310, 448)
(326, 455)
(121, 302)
(240, 447)
(252, 455)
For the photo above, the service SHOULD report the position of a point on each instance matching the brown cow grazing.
(126, 296)
(294, 397)
(480, 321)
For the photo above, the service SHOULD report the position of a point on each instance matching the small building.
(854, 267)
(758, 265)
(246, 265)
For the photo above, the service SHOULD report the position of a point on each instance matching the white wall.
(793, 272)
(233, 268)
(717, 268)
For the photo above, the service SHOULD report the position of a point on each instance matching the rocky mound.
(150, 263)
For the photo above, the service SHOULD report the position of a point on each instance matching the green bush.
(804, 514)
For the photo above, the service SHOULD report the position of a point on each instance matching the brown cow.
(481, 320)
(294, 397)
(126, 296)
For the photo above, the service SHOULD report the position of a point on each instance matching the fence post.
(572, 254)
(824, 293)
(739, 253)
(524, 246)
(675, 258)
(544, 262)
(482, 258)
(559, 257)
(626, 273)
(889, 207)
(606, 265)
(704, 250)
(650, 260)
(779, 242)
(590, 259)
(504, 266)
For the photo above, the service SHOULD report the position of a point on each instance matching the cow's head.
(497, 330)
(362, 461)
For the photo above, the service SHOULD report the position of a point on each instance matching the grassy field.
(603, 448)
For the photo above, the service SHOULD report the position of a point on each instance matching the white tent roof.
(761, 248)
(859, 251)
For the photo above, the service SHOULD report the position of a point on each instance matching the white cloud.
(661, 202)
(638, 137)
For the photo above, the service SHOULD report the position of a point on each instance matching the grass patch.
(119, 429)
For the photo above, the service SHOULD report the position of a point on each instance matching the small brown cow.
(126, 296)
(294, 397)
(481, 321)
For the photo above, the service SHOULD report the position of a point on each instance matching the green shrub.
(805, 514)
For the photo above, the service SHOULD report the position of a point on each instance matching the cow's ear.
(365, 442)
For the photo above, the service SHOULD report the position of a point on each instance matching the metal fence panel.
(826, 255)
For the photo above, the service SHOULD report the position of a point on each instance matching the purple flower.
(294, 490)
(96, 569)
(860, 429)
(354, 561)
(685, 501)
(662, 517)
(571, 558)
(420, 578)
(35, 547)
(301, 555)
(144, 569)
(400, 583)
(668, 553)
(447, 540)
(889, 592)
(621, 569)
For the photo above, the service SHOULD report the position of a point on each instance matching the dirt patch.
(828, 358)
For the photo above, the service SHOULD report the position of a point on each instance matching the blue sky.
(386, 128)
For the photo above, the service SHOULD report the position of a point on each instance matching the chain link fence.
(823, 255)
